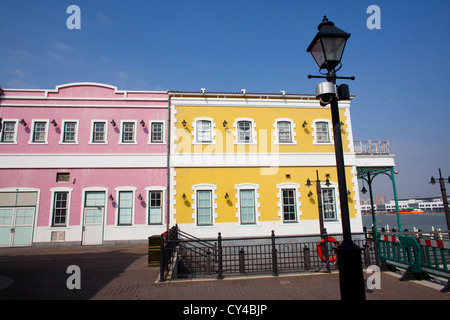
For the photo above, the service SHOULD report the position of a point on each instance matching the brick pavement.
(121, 272)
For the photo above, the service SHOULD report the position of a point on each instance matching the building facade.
(84, 163)
(244, 164)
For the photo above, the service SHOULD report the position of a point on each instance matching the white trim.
(194, 131)
(293, 133)
(16, 129)
(122, 122)
(113, 160)
(133, 205)
(257, 159)
(247, 186)
(47, 129)
(63, 128)
(330, 132)
(334, 186)
(150, 122)
(298, 213)
(236, 131)
(204, 187)
(163, 204)
(52, 203)
(91, 136)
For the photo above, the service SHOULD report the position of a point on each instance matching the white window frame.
(52, 204)
(163, 191)
(33, 122)
(247, 186)
(63, 131)
(253, 131)
(91, 137)
(150, 126)
(293, 133)
(213, 131)
(333, 186)
(122, 122)
(330, 132)
(204, 187)
(16, 129)
(298, 213)
(133, 205)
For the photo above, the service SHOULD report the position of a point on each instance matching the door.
(17, 211)
(93, 218)
(16, 226)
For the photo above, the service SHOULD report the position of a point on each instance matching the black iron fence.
(185, 256)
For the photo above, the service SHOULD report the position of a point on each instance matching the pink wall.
(85, 102)
(45, 179)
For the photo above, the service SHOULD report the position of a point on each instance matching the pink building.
(84, 163)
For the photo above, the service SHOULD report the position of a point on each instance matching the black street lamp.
(444, 196)
(327, 48)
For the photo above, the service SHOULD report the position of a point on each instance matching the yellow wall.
(226, 178)
(264, 119)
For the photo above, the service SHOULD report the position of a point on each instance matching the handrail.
(372, 147)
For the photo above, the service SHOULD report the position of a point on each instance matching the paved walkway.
(121, 272)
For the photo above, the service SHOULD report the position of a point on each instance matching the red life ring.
(319, 250)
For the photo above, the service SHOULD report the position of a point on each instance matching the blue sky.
(401, 69)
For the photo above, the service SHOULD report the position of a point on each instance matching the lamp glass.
(333, 48)
(318, 54)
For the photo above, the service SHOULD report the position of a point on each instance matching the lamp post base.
(351, 277)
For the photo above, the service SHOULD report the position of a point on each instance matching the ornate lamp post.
(327, 48)
(444, 196)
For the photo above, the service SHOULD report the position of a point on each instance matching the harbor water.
(422, 221)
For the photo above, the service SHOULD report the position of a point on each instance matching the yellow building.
(240, 163)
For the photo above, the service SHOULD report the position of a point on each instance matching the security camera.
(325, 92)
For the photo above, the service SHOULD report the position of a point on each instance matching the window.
(60, 206)
(98, 133)
(8, 134)
(203, 129)
(288, 202)
(244, 131)
(322, 131)
(155, 208)
(40, 132)
(128, 132)
(70, 132)
(62, 177)
(204, 207)
(284, 131)
(157, 132)
(289, 205)
(329, 204)
(125, 207)
(94, 205)
(247, 206)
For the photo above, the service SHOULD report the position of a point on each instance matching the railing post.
(219, 251)
(242, 261)
(208, 262)
(366, 255)
(306, 257)
(274, 256)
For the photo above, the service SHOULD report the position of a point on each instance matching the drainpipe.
(168, 166)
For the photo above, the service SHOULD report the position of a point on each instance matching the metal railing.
(420, 256)
(203, 258)
(372, 147)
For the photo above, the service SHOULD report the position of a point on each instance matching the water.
(422, 221)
